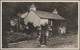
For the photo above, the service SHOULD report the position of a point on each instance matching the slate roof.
(48, 15)
(45, 15)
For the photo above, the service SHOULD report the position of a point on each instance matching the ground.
(70, 41)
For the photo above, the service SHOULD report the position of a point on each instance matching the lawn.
(69, 41)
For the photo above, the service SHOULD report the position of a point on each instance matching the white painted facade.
(35, 19)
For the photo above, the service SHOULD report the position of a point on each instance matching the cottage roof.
(48, 15)
(45, 15)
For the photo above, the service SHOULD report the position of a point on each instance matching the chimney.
(55, 11)
(32, 7)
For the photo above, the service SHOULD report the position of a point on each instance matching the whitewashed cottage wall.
(33, 18)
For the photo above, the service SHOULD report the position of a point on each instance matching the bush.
(15, 37)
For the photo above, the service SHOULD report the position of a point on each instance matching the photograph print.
(39, 24)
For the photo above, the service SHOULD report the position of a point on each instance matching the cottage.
(39, 18)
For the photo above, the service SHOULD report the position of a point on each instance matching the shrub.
(15, 37)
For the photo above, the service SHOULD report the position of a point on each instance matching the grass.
(22, 40)
(70, 41)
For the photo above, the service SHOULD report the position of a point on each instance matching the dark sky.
(68, 10)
